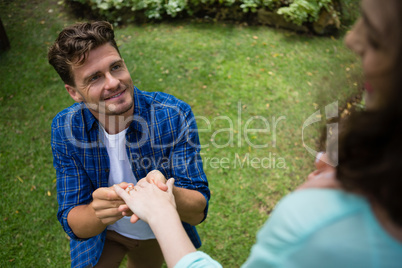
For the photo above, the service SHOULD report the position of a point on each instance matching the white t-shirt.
(120, 171)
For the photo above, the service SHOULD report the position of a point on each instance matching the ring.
(130, 188)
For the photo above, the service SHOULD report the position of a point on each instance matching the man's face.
(103, 83)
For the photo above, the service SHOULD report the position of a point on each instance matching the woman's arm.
(158, 209)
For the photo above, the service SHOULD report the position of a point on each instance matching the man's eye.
(94, 78)
(116, 67)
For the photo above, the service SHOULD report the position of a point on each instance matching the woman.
(358, 225)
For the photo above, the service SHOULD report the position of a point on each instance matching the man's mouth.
(115, 96)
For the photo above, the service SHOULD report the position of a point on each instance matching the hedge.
(319, 16)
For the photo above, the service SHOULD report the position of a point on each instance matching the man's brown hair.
(74, 43)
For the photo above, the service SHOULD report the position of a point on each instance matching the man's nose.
(111, 82)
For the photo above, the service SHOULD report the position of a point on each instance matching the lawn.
(251, 89)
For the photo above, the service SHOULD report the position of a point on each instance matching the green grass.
(221, 70)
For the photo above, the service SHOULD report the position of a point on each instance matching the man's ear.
(73, 93)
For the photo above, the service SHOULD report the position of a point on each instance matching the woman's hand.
(154, 177)
(146, 200)
(323, 177)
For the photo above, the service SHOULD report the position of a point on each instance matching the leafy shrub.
(350, 11)
(299, 12)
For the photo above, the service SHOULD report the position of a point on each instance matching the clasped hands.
(149, 196)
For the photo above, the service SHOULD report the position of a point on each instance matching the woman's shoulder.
(295, 220)
(324, 202)
(301, 213)
(311, 208)
(339, 227)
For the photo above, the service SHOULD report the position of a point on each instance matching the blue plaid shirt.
(163, 135)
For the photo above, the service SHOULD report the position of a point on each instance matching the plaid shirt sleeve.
(74, 165)
(187, 168)
(72, 181)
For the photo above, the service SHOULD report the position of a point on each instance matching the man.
(117, 134)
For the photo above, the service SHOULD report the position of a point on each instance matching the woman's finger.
(122, 193)
(134, 218)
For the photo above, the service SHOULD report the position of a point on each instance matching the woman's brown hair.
(370, 146)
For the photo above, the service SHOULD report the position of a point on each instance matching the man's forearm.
(190, 205)
(84, 223)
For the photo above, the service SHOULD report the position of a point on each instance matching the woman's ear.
(75, 95)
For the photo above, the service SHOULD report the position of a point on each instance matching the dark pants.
(141, 253)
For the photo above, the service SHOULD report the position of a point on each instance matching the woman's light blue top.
(318, 228)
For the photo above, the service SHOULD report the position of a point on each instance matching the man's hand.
(106, 204)
(323, 177)
(157, 178)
